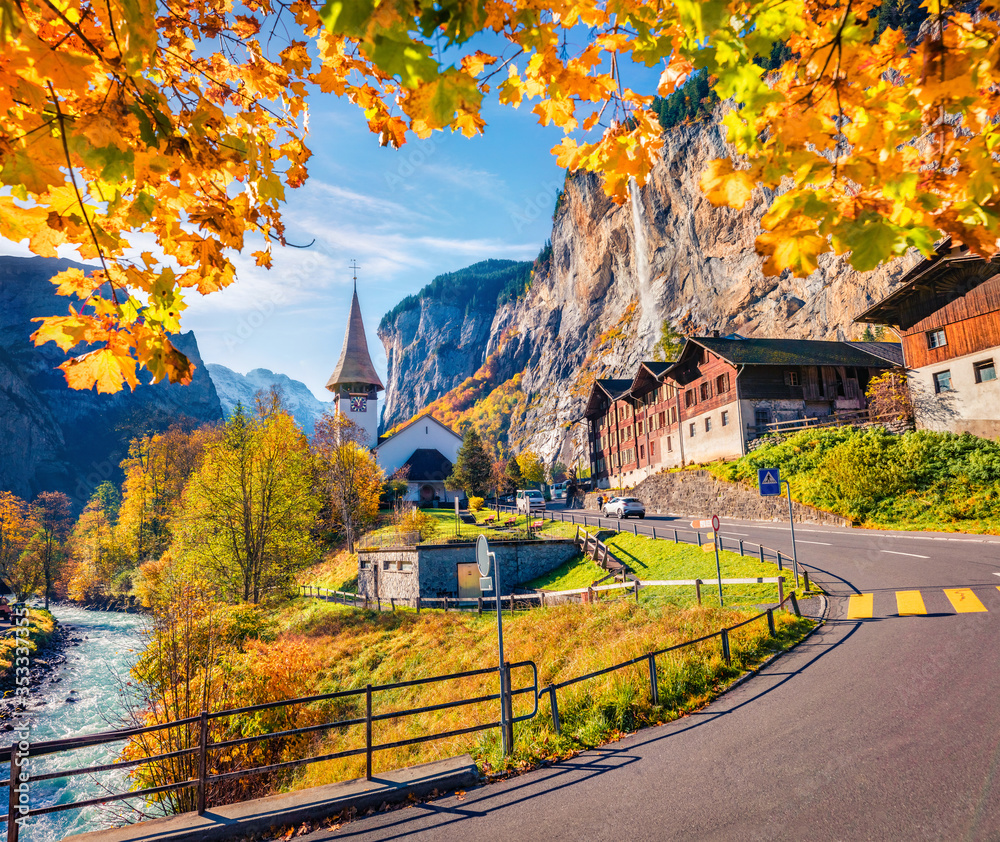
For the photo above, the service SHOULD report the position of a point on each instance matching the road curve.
(877, 727)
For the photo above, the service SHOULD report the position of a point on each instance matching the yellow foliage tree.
(249, 510)
(352, 478)
(532, 468)
(183, 124)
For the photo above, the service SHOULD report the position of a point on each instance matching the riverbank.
(43, 638)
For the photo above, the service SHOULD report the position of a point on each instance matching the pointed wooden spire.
(354, 370)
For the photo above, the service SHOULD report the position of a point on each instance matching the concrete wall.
(435, 567)
(970, 407)
(699, 494)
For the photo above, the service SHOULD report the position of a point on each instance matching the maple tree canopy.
(157, 136)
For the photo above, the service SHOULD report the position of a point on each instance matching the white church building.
(424, 446)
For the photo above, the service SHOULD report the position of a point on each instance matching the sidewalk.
(294, 808)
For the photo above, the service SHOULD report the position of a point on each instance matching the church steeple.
(354, 381)
(354, 371)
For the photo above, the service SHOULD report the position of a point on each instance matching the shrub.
(476, 503)
(413, 519)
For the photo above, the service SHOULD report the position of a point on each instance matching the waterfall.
(648, 321)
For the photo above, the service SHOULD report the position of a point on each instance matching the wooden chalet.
(947, 311)
(721, 394)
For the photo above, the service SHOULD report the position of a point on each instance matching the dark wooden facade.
(971, 324)
(645, 423)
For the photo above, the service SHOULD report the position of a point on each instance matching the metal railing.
(17, 809)
(448, 603)
(385, 540)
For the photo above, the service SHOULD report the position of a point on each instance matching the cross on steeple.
(354, 266)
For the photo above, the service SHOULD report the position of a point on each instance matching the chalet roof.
(796, 351)
(930, 285)
(355, 363)
(891, 352)
(610, 388)
(425, 417)
(647, 376)
(427, 464)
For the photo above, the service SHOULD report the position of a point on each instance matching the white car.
(624, 507)
(530, 500)
(559, 491)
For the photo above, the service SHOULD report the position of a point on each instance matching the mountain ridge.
(596, 306)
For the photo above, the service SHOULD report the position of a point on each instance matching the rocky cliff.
(55, 439)
(437, 339)
(596, 305)
(234, 388)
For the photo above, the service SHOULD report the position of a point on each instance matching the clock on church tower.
(354, 380)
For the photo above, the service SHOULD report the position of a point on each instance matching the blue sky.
(404, 215)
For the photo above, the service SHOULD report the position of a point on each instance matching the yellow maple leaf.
(725, 186)
(105, 369)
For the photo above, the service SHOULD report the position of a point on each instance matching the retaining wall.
(699, 494)
(433, 568)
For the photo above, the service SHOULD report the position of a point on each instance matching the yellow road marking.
(862, 606)
(964, 600)
(909, 602)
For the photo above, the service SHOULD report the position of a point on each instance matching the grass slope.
(333, 648)
(41, 626)
(651, 559)
(918, 480)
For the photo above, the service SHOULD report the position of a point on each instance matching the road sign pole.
(485, 559)
(791, 523)
(718, 567)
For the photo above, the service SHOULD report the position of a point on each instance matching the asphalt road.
(875, 728)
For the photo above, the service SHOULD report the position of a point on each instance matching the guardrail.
(383, 540)
(449, 603)
(199, 728)
(677, 535)
(199, 731)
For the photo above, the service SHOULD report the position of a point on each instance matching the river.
(93, 675)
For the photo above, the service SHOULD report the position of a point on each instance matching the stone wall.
(699, 494)
(434, 571)
(389, 574)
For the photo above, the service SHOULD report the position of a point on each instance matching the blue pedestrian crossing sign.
(769, 481)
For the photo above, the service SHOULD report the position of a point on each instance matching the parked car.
(530, 500)
(624, 507)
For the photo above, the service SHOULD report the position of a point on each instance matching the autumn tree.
(19, 569)
(249, 509)
(532, 467)
(50, 512)
(889, 398)
(15, 529)
(351, 476)
(156, 470)
(95, 559)
(515, 478)
(472, 470)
